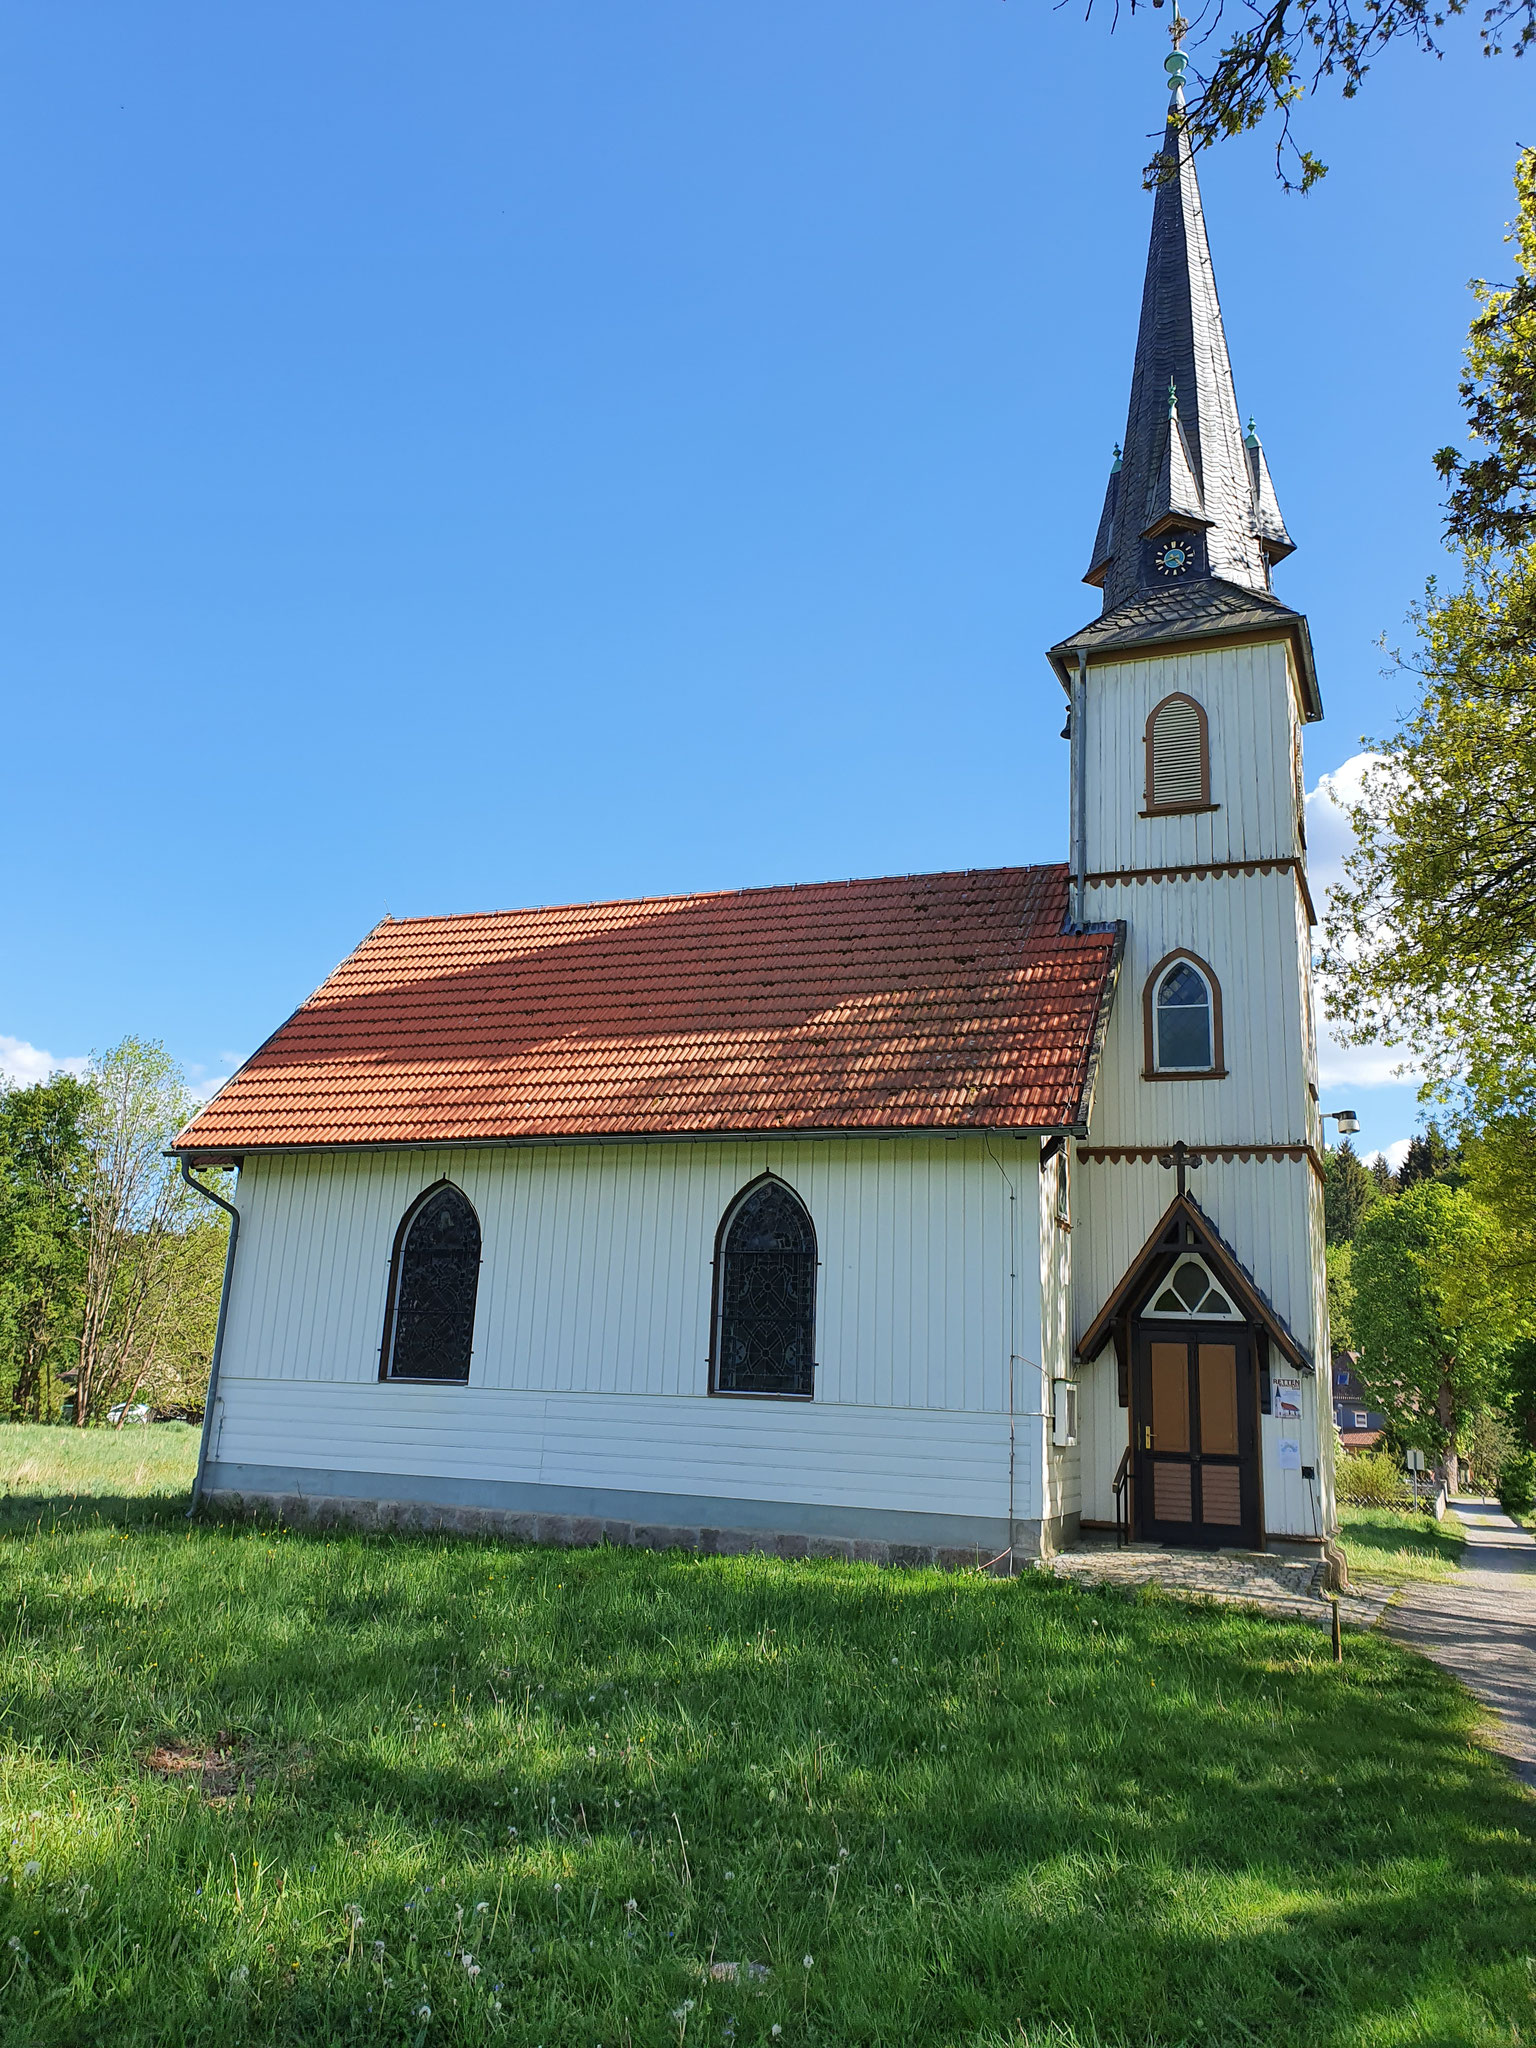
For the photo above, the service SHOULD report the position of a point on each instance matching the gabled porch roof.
(1185, 1227)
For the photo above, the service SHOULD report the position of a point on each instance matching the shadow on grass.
(1059, 1808)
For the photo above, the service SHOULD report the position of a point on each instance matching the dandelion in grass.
(631, 1905)
(775, 2030)
(423, 2012)
(33, 1869)
(482, 1905)
(809, 1961)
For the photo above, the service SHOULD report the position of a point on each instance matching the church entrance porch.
(1194, 1437)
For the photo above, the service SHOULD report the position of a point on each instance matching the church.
(925, 1219)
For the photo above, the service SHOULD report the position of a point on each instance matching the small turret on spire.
(1268, 526)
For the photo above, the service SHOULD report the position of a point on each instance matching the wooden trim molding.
(1203, 802)
(1217, 1070)
(1149, 1155)
(1204, 871)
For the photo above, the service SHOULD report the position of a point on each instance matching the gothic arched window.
(1182, 1013)
(429, 1324)
(1178, 756)
(765, 1295)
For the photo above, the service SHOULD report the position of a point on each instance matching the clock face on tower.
(1175, 555)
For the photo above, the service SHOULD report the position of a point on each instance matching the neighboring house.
(895, 1218)
(1360, 1426)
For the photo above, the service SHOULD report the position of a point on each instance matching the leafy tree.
(1435, 1311)
(1492, 504)
(1432, 938)
(1348, 1191)
(138, 1214)
(1341, 1296)
(1289, 47)
(1520, 1368)
(42, 1239)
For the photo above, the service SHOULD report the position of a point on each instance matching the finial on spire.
(1251, 438)
(1114, 467)
(1177, 64)
(1173, 399)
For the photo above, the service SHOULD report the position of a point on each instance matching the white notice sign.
(1290, 1454)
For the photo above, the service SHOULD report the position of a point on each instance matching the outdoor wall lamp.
(1346, 1120)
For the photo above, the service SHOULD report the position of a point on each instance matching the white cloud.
(22, 1064)
(1394, 1154)
(204, 1091)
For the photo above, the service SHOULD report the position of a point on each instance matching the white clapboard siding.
(896, 1459)
(597, 1262)
(1248, 697)
(1061, 1482)
(1105, 1428)
(1245, 928)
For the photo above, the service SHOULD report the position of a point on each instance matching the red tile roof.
(916, 1002)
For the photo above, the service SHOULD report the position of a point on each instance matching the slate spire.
(1185, 475)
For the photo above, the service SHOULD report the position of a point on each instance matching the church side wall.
(588, 1384)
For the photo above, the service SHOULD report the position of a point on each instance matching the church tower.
(1199, 1298)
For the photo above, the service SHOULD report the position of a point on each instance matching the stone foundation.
(420, 1518)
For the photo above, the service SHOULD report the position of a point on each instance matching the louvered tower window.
(765, 1295)
(1178, 757)
(429, 1327)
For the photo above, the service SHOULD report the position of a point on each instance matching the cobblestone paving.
(1289, 1587)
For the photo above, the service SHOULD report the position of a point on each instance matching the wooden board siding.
(1245, 927)
(1249, 702)
(592, 1323)
(908, 1461)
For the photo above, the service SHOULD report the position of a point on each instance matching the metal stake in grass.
(1338, 1633)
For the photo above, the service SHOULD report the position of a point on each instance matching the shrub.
(1371, 1479)
(1517, 1484)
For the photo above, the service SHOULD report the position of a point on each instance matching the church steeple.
(1189, 501)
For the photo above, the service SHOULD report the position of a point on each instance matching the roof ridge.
(708, 895)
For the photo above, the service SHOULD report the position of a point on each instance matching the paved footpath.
(1481, 1626)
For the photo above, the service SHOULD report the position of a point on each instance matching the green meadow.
(263, 1786)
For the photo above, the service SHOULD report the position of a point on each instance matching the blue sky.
(500, 453)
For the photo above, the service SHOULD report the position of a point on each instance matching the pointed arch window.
(1181, 1010)
(1178, 756)
(765, 1295)
(434, 1276)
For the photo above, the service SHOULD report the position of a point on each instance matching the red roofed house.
(932, 1215)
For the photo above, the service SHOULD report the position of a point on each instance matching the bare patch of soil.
(214, 1766)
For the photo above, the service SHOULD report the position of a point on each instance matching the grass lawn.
(266, 1787)
(132, 1462)
(1383, 1543)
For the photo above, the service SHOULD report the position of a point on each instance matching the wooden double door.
(1194, 1436)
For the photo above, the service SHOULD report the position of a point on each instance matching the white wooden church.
(930, 1217)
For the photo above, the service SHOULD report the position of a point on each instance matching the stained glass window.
(430, 1326)
(1182, 1021)
(766, 1329)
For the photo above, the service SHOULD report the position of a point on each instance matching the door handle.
(1146, 1437)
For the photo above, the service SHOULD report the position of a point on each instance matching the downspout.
(218, 1335)
(1078, 824)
